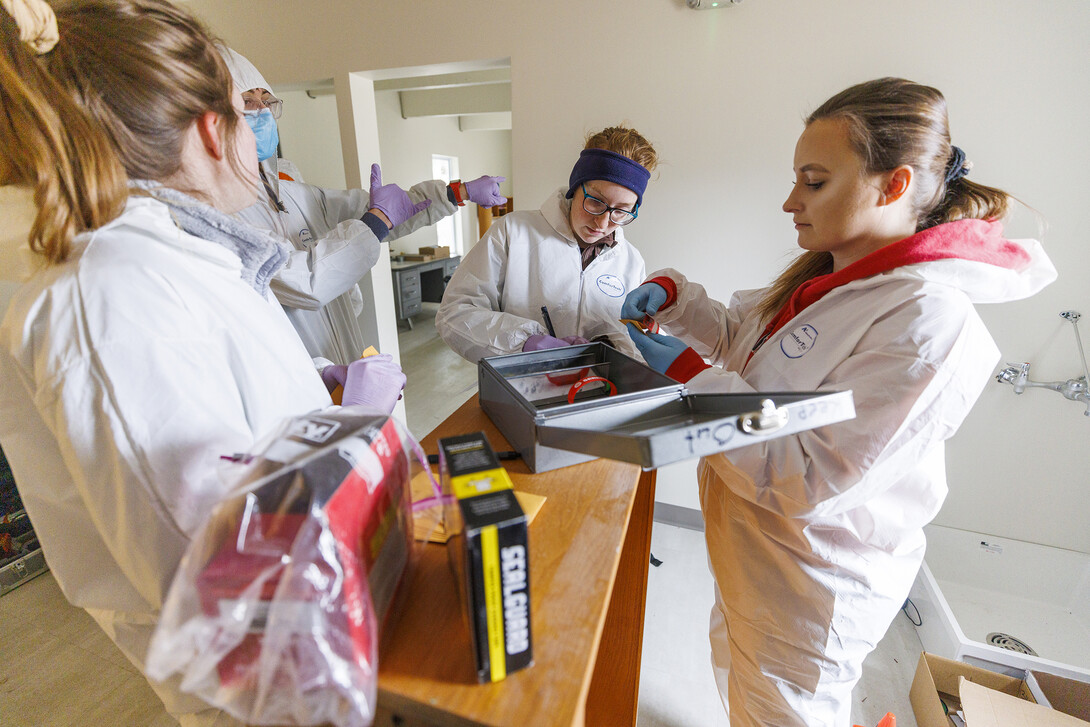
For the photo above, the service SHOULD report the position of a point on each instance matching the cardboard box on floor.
(1064, 695)
(986, 698)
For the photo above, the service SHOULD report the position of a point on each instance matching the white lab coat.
(815, 539)
(333, 250)
(530, 259)
(128, 371)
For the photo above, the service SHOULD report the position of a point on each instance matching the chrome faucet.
(1017, 374)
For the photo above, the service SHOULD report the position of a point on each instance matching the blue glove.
(485, 191)
(391, 200)
(658, 350)
(643, 301)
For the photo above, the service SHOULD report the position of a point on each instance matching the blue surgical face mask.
(264, 127)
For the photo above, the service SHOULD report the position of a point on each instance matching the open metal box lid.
(567, 405)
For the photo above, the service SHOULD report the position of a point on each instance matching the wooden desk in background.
(418, 282)
(589, 554)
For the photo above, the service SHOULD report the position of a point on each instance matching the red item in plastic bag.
(370, 536)
(276, 609)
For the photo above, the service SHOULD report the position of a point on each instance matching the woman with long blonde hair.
(143, 343)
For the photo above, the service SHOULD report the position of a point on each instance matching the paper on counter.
(428, 523)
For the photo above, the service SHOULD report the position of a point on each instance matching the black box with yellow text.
(489, 552)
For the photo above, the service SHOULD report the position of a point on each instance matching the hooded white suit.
(530, 259)
(815, 539)
(129, 369)
(333, 247)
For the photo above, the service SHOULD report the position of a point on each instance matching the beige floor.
(58, 669)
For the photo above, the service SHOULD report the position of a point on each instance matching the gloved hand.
(540, 342)
(574, 340)
(333, 376)
(658, 350)
(392, 200)
(485, 191)
(375, 381)
(643, 301)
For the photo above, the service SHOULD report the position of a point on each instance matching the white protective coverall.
(333, 250)
(815, 539)
(128, 370)
(333, 247)
(530, 259)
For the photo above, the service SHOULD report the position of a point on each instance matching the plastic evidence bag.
(275, 613)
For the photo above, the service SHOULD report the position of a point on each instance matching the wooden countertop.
(426, 670)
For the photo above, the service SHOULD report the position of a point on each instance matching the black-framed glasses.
(257, 103)
(594, 206)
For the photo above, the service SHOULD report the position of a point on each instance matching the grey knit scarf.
(260, 253)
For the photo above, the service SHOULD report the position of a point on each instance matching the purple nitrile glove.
(540, 341)
(333, 376)
(658, 350)
(574, 340)
(392, 200)
(375, 381)
(643, 301)
(485, 191)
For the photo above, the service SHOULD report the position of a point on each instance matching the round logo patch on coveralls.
(611, 285)
(799, 341)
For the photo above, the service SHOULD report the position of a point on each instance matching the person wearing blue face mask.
(336, 234)
(264, 127)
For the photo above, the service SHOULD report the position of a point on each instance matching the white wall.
(310, 136)
(722, 93)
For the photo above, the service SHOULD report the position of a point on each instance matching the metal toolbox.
(557, 408)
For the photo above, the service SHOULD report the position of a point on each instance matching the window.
(449, 229)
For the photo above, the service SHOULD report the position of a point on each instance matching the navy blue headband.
(611, 167)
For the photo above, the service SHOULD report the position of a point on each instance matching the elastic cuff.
(457, 188)
(671, 290)
(377, 225)
(686, 366)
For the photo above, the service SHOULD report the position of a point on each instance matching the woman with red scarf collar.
(815, 539)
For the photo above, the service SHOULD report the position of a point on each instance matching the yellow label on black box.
(480, 483)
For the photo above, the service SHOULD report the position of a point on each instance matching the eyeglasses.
(256, 103)
(594, 206)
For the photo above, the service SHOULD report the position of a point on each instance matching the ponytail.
(968, 200)
(111, 101)
(51, 145)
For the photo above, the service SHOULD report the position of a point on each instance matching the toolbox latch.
(767, 420)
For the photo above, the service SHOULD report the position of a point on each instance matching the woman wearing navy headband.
(570, 255)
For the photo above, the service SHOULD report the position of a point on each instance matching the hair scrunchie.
(610, 167)
(36, 21)
(957, 167)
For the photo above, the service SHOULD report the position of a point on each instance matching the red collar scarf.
(973, 240)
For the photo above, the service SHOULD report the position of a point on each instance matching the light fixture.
(711, 4)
